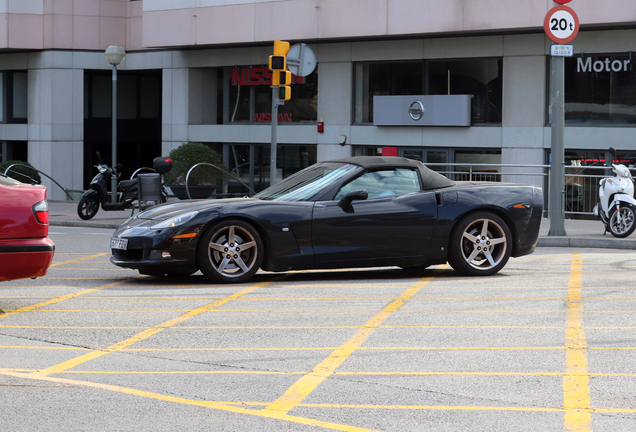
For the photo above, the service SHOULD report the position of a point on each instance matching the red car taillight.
(41, 212)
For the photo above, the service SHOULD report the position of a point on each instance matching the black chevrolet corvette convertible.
(353, 212)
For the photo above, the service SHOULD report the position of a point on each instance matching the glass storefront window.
(481, 78)
(19, 95)
(251, 164)
(600, 90)
(249, 95)
(478, 173)
(383, 79)
(13, 97)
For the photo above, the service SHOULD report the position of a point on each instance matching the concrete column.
(56, 121)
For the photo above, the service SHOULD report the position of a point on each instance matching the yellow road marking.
(59, 299)
(97, 255)
(576, 390)
(144, 334)
(309, 382)
(279, 311)
(206, 404)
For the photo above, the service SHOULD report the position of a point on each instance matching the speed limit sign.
(561, 24)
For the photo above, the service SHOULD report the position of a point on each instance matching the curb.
(586, 243)
(84, 224)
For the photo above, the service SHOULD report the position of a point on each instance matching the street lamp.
(114, 55)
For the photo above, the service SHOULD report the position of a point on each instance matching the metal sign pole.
(272, 153)
(557, 162)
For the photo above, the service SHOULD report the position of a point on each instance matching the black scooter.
(127, 190)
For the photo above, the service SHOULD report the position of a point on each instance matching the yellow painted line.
(105, 268)
(309, 382)
(435, 407)
(63, 348)
(258, 372)
(62, 298)
(576, 390)
(97, 255)
(205, 404)
(144, 334)
(113, 311)
(76, 327)
(334, 311)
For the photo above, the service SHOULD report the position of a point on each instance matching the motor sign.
(561, 24)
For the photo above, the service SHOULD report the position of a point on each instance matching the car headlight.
(176, 221)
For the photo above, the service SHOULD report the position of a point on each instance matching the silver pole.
(272, 162)
(113, 178)
(557, 163)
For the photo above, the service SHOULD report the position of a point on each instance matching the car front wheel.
(230, 251)
(480, 245)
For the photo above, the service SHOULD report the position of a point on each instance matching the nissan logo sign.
(416, 110)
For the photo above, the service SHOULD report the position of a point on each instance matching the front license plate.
(118, 243)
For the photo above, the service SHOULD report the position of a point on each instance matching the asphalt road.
(546, 345)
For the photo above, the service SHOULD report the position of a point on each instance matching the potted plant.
(203, 179)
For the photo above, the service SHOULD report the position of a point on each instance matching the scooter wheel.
(627, 223)
(87, 207)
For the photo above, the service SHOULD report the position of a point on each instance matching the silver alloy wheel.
(232, 251)
(483, 244)
(621, 223)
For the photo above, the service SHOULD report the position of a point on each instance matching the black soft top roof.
(430, 178)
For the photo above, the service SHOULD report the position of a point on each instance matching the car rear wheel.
(231, 251)
(480, 245)
(88, 206)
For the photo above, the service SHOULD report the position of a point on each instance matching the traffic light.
(284, 93)
(277, 61)
(281, 77)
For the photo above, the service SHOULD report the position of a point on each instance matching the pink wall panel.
(26, 31)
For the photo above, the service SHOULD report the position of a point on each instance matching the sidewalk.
(580, 233)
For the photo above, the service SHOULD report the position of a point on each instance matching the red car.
(25, 248)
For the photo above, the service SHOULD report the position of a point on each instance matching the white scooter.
(617, 206)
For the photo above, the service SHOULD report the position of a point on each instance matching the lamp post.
(114, 55)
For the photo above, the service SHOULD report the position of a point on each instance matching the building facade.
(196, 70)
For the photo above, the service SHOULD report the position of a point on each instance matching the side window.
(383, 183)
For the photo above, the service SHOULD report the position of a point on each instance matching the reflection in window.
(19, 95)
(250, 97)
(251, 164)
(600, 90)
(384, 183)
(478, 172)
(13, 97)
(383, 79)
(481, 78)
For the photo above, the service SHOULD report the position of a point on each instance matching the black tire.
(88, 207)
(480, 244)
(627, 223)
(230, 251)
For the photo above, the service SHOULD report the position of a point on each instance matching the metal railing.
(581, 182)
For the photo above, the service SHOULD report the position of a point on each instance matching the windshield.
(8, 181)
(307, 183)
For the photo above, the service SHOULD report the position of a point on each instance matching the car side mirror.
(356, 194)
